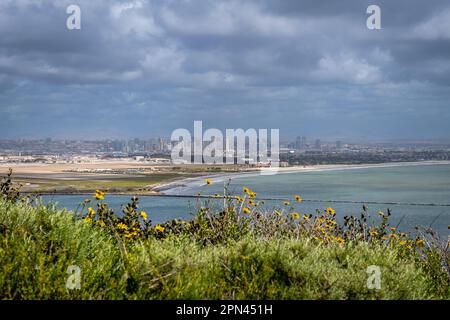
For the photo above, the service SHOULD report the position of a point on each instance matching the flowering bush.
(243, 215)
(234, 247)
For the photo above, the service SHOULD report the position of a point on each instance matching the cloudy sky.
(141, 68)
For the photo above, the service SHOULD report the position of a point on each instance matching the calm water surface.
(402, 184)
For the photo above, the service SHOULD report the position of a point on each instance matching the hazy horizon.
(283, 140)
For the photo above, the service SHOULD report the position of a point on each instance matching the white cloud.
(229, 18)
(381, 56)
(219, 21)
(346, 68)
(438, 27)
(163, 59)
(131, 18)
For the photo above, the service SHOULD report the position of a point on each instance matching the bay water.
(421, 194)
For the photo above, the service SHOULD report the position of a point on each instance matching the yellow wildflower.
(330, 210)
(393, 229)
(131, 234)
(393, 235)
(278, 213)
(246, 190)
(306, 217)
(246, 210)
(298, 198)
(340, 240)
(159, 228)
(99, 195)
(208, 181)
(91, 212)
(286, 203)
(122, 226)
(143, 215)
(373, 233)
(420, 243)
(295, 215)
(251, 202)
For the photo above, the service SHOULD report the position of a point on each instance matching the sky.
(144, 68)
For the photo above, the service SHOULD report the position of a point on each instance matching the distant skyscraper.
(125, 147)
(318, 144)
(300, 143)
(148, 146)
(117, 145)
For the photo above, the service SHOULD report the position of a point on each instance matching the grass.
(231, 249)
(114, 184)
(139, 182)
(38, 244)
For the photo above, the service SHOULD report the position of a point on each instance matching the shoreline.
(172, 188)
(189, 183)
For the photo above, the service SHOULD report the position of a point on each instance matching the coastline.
(171, 188)
(420, 204)
(183, 184)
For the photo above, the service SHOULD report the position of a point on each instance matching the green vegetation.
(121, 181)
(222, 253)
(114, 184)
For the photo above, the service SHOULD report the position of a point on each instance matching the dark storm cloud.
(147, 67)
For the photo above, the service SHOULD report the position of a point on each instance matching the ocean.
(416, 194)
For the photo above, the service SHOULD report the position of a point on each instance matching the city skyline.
(164, 144)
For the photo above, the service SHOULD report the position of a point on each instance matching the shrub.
(223, 252)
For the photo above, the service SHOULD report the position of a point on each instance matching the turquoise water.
(419, 184)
